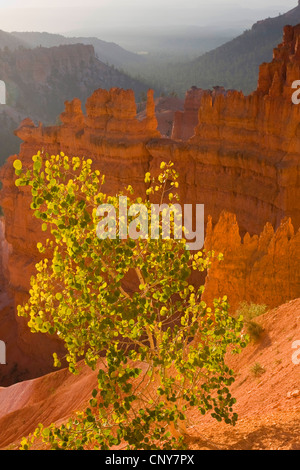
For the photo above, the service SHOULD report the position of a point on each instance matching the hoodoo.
(234, 153)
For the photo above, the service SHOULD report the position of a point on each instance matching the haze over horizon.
(104, 18)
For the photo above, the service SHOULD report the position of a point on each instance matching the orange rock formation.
(186, 121)
(243, 158)
(263, 269)
(115, 138)
(166, 108)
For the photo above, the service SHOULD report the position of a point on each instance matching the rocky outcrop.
(244, 154)
(185, 121)
(27, 355)
(166, 108)
(109, 132)
(276, 77)
(243, 158)
(107, 52)
(39, 80)
(263, 269)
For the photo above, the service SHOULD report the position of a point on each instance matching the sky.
(63, 16)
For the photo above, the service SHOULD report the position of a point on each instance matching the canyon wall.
(242, 157)
(110, 133)
(166, 108)
(263, 269)
(27, 355)
(245, 150)
(186, 120)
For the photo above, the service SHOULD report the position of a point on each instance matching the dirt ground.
(268, 396)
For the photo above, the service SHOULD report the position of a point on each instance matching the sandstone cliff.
(111, 133)
(243, 158)
(263, 269)
(244, 154)
(166, 109)
(185, 121)
(27, 355)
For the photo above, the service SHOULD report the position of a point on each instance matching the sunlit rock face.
(233, 153)
(263, 269)
(116, 140)
(186, 121)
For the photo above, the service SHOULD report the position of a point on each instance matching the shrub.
(254, 330)
(257, 370)
(249, 311)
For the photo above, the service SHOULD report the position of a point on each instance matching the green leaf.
(17, 165)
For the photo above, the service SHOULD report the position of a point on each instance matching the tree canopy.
(126, 307)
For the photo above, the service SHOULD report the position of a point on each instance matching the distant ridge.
(10, 41)
(235, 64)
(39, 80)
(108, 52)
